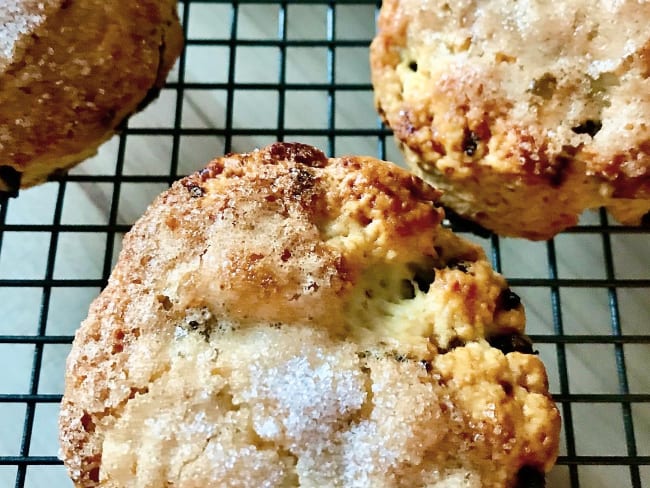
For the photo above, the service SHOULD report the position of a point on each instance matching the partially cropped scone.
(70, 72)
(524, 113)
(284, 319)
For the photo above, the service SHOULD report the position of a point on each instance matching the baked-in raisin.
(645, 220)
(427, 365)
(423, 278)
(11, 179)
(529, 477)
(590, 127)
(195, 191)
(459, 265)
(300, 153)
(470, 142)
(461, 224)
(509, 300)
(453, 344)
(512, 342)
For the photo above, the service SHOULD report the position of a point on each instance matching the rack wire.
(587, 290)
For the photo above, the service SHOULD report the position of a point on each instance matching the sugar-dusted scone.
(70, 72)
(523, 113)
(281, 319)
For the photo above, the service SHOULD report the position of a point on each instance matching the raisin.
(165, 302)
(453, 344)
(470, 142)
(557, 172)
(11, 179)
(461, 224)
(459, 265)
(87, 423)
(512, 342)
(300, 153)
(195, 190)
(645, 220)
(427, 365)
(590, 127)
(424, 278)
(529, 477)
(413, 66)
(93, 474)
(508, 300)
(301, 181)
(399, 357)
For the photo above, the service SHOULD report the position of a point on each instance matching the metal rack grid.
(286, 70)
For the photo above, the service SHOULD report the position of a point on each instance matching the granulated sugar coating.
(281, 320)
(71, 72)
(18, 19)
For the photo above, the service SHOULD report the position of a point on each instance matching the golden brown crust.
(70, 72)
(520, 115)
(262, 317)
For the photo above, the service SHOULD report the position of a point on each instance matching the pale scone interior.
(284, 319)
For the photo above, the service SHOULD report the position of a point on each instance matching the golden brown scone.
(281, 319)
(70, 72)
(523, 113)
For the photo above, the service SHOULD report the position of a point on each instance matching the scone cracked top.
(524, 113)
(284, 319)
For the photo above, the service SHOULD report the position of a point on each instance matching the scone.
(284, 319)
(70, 72)
(523, 113)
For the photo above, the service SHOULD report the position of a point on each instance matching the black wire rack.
(587, 291)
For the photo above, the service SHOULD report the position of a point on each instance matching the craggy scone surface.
(281, 319)
(70, 72)
(524, 113)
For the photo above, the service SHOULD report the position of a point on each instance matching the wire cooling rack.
(253, 72)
